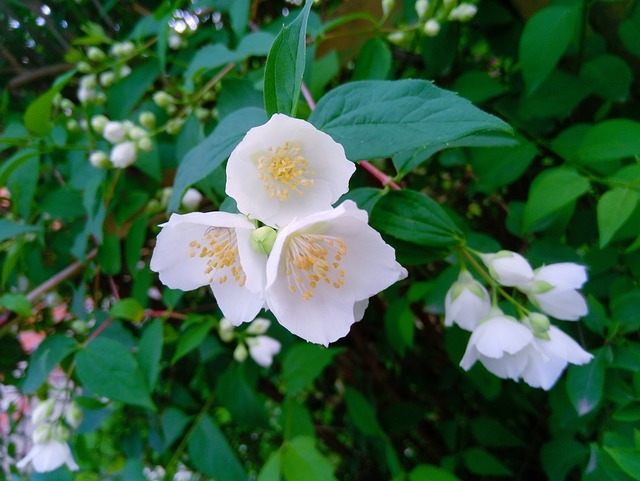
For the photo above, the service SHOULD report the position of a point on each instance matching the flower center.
(284, 170)
(220, 247)
(314, 260)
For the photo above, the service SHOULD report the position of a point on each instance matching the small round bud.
(209, 95)
(539, 322)
(174, 126)
(162, 99)
(387, 6)
(114, 131)
(73, 414)
(171, 109)
(72, 125)
(98, 123)
(431, 28)
(226, 330)
(123, 155)
(88, 81)
(43, 411)
(174, 41)
(145, 144)
(136, 132)
(165, 196)
(42, 434)
(259, 326)
(148, 120)
(397, 38)
(124, 49)
(124, 71)
(95, 54)
(107, 79)
(240, 353)
(191, 199)
(80, 326)
(83, 124)
(202, 114)
(99, 160)
(463, 12)
(421, 8)
(262, 239)
(66, 104)
(100, 98)
(59, 433)
(86, 95)
(84, 67)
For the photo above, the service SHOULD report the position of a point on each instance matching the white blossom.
(431, 27)
(259, 326)
(554, 290)
(508, 268)
(466, 302)
(123, 154)
(262, 349)
(199, 249)
(323, 267)
(49, 456)
(463, 12)
(191, 199)
(285, 169)
(114, 131)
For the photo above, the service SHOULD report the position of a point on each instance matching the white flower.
(49, 456)
(99, 159)
(546, 359)
(191, 199)
(466, 302)
(43, 411)
(508, 268)
(262, 349)
(174, 41)
(123, 155)
(431, 27)
(323, 267)
(285, 169)
(226, 330)
(259, 326)
(421, 7)
(463, 12)
(114, 131)
(86, 95)
(213, 248)
(554, 290)
(495, 342)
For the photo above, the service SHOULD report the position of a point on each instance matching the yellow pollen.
(306, 265)
(220, 251)
(284, 170)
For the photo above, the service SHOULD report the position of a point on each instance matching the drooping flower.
(508, 268)
(213, 248)
(322, 270)
(262, 349)
(466, 302)
(48, 456)
(286, 169)
(554, 290)
(495, 342)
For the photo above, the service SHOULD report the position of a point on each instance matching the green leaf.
(48, 355)
(478, 86)
(211, 453)
(285, 66)
(129, 309)
(629, 33)
(9, 229)
(399, 325)
(301, 460)
(16, 303)
(627, 458)
(296, 419)
(491, 433)
(374, 61)
(550, 191)
(241, 399)
(544, 40)
(271, 470)
(610, 76)
(614, 208)
(174, 422)
(109, 255)
(558, 467)
(413, 217)
(123, 96)
(380, 118)
(585, 384)
(303, 363)
(37, 117)
(150, 352)
(610, 140)
(479, 461)
(191, 338)
(365, 197)
(427, 472)
(203, 159)
(625, 310)
(107, 368)
(362, 413)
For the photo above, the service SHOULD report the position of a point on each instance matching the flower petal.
(562, 303)
(500, 335)
(566, 274)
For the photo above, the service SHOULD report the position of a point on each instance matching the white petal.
(565, 347)
(543, 373)
(509, 366)
(561, 303)
(467, 309)
(500, 335)
(262, 349)
(49, 457)
(310, 175)
(359, 308)
(566, 274)
(509, 268)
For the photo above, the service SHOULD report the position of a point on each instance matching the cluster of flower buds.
(96, 59)
(51, 423)
(127, 139)
(312, 265)
(251, 342)
(529, 348)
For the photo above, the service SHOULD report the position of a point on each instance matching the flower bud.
(73, 414)
(539, 323)
(387, 6)
(148, 120)
(59, 433)
(262, 239)
(95, 54)
(226, 330)
(136, 132)
(240, 353)
(86, 95)
(145, 144)
(114, 131)
(191, 199)
(174, 126)
(162, 99)
(421, 8)
(165, 196)
(66, 104)
(124, 71)
(72, 125)
(174, 41)
(43, 411)
(202, 114)
(98, 123)
(100, 98)
(99, 160)
(171, 109)
(397, 38)
(84, 67)
(88, 81)
(80, 326)
(463, 12)
(123, 155)
(42, 434)
(124, 49)
(107, 79)
(431, 28)
(259, 326)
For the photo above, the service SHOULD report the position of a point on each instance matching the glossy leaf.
(585, 384)
(614, 208)
(303, 363)
(610, 140)
(51, 351)
(300, 459)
